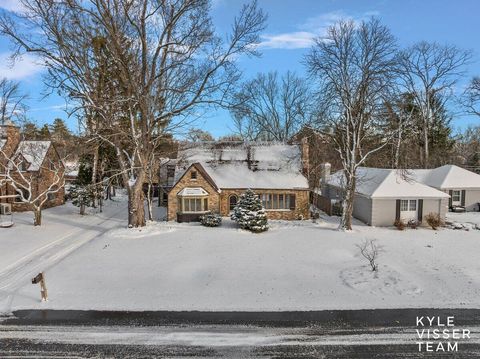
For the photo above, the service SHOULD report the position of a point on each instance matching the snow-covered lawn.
(466, 217)
(293, 266)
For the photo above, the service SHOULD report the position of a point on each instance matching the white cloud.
(312, 28)
(289, 40)
(25, 67)
(11, 5)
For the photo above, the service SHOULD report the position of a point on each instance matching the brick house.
(38, 161)
(211, 177)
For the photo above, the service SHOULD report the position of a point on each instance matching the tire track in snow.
(20, 272)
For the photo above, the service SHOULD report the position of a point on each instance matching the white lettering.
(420, 334)
(450, 321)
(452, 348)
(420, 321)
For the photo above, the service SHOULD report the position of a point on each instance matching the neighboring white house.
(384, 195)
(462, 185)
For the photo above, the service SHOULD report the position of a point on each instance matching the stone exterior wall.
(187, 181)
(301, 203)
(220, 202)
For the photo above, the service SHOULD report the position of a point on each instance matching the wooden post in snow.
(40, 278)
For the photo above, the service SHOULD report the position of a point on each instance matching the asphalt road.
(323, 334)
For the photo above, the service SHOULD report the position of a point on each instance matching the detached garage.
(384, 195)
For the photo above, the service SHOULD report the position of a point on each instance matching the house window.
(456, 196)
(233, 200)
(193, 205)
(278, 201)
(413, 205)
(51, 195)
(404, 205)
(22, 166)
(170, 174)
(19, 198)
(193, 175)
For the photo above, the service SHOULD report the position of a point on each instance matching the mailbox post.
(40, 278)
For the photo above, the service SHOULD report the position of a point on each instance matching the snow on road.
(294, 266)
(215, 336)
(27, 250)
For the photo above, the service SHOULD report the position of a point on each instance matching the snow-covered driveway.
(26, 250)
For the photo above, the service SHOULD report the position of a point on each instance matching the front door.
(408, 209)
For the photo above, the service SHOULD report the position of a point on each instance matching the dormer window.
(22, 166)
(193, 175)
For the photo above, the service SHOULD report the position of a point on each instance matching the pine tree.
(60, 132)
(44, 133)
(249, 213)
(85, 170)
(30, 131)
(82, 197)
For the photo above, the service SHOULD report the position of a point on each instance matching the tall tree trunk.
(82, 209)
(94, 174)
(425, 148)
(136, 208)
(37, 216)
(347, 204)
(136, 202)
(149, 201)
(398, 147)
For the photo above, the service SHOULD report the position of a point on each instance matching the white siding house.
(384, 195)
(463, 186)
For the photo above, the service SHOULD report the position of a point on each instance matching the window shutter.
(292, 202)
(450, 199)
(463, 198)
(397, 212)
(420, 210)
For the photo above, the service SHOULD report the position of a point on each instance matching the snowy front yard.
(293, 266)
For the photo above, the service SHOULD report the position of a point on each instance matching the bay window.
(192, 200)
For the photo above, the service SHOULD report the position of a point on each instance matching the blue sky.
(291, 27)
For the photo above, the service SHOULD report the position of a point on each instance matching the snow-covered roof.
(266, 156)
(387, 183)
(447, 177)
(193, 191)
(33, 152)
(71, 168)
(238, 175)
(275, 166)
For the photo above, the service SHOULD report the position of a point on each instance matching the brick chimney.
(10, 133)
(305, 156)
(325, 173)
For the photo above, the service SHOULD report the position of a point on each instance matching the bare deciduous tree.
(369, 251)
(12, 101)
(135, 69)
(272, 108)
(30, 190)
(429, 71)
(355, 66)
(471, 97)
